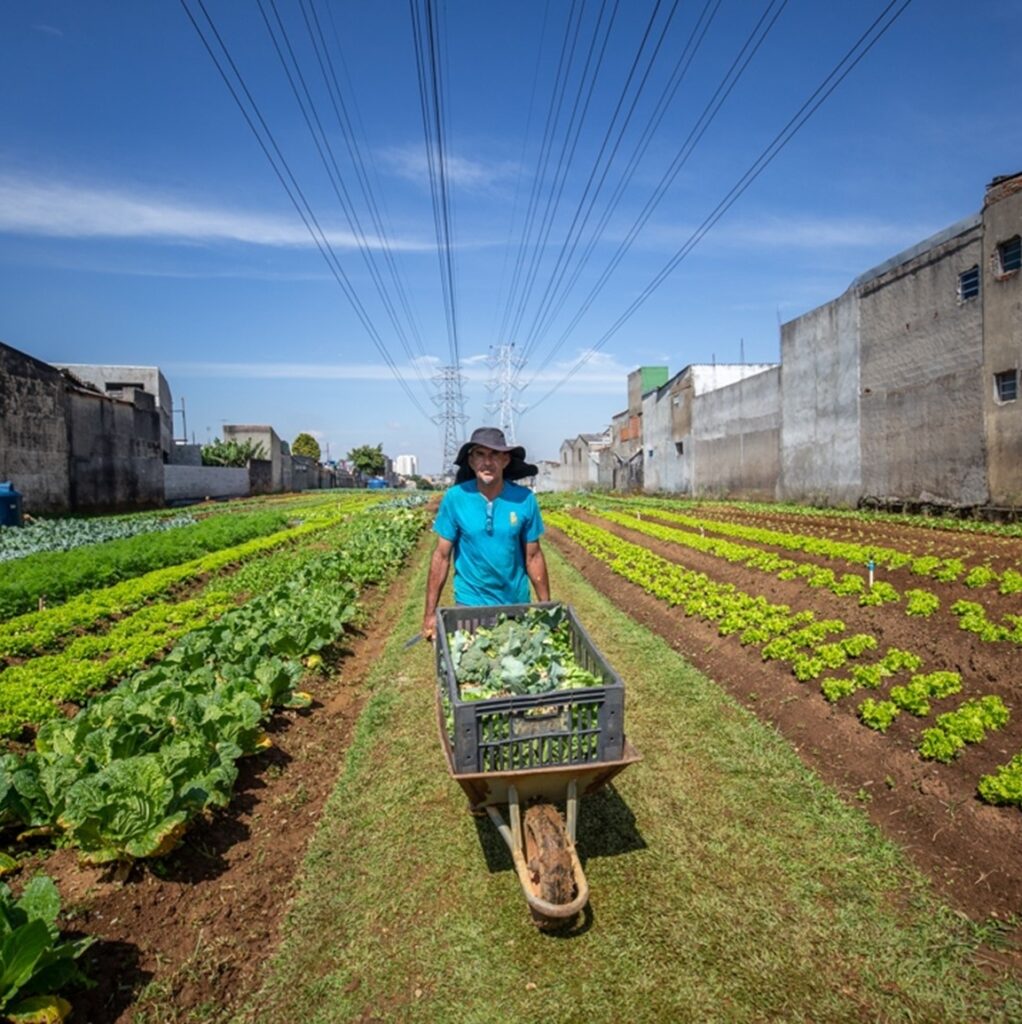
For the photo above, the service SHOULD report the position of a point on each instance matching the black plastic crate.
(542, 730)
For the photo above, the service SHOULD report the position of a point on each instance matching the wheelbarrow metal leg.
(572, 810)
(514, 838)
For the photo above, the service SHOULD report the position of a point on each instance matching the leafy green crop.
(973, 617)
(1005, 785)
(123, 778)
(34, 963)
(921, 603)
(967, 724)
(530, 654)
(878, 714)
(67, 534)
(57, 575)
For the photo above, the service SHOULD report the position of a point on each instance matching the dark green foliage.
(367, 459)
(57, 575)
(232, 453)
(34, 963)
(306, 445)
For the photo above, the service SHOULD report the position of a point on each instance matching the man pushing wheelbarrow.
(530, 713)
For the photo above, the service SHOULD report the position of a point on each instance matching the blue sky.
(140, 222)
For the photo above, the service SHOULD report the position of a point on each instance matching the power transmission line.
(739, 64)
(837, 75)
(268, 144)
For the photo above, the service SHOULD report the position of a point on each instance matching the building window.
(649, 453)
(679, 447)
(968, 284)
(1006, 386)
(1009, 255)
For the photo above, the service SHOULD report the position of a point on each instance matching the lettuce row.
(794, 638)
(39, 630)
(122, 779)
(945, 570)
(55, 576)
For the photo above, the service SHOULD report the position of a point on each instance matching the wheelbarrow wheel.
(546, 850)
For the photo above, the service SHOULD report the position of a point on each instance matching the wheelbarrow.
(524, 755)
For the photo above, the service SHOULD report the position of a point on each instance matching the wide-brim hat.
(493, 438)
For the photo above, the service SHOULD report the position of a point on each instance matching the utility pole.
(184, 422)
(505, 366)
(451, 417)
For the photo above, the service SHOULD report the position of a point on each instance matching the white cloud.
(602, 373)
(60, 209)
(796, 232)
(48, 30)
(409, 162)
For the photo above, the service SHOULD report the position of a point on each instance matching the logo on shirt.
(514, 518)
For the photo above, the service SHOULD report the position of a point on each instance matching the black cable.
(329, 160)
(580, 109)
(575, 229)
(709, 113)
(564, 61)
(351, 139)
(291, 186)
(780, 140)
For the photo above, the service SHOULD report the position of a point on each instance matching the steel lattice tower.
(451, 417)
(505, 365)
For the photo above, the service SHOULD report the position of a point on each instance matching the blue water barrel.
(10, 504)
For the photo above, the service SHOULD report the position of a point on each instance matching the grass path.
(727, 883)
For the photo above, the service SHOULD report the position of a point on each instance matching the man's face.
(487, 464)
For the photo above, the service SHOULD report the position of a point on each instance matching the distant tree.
(423, 484)
(307, 445)
(367, 459)
(232, 453)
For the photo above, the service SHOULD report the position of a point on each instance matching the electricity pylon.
(451, 417)
(505, 365)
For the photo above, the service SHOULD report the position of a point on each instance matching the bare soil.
(187, 938)
(969, 849)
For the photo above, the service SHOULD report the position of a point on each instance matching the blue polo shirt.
(489, 541)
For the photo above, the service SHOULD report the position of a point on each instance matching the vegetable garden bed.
(944, 677)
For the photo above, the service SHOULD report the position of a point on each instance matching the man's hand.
(429, 627)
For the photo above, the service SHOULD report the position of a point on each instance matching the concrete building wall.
(662, 468)
(260, 476)
(186, 455)
(116, 458)
(921, 379)
(304, 473)
(34, 444)
(119, 381)
(694, 448)
(197, 483)
(1002, 337)
(642, 381)
(819, 385)
(267, 437)
(735, 444)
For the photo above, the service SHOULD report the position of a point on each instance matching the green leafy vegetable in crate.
(531, 654)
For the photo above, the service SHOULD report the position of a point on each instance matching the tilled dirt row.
(973, 548)
(995, 604)
(971, 850)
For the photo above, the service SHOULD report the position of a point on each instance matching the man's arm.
(439, 567)
(535, 566)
